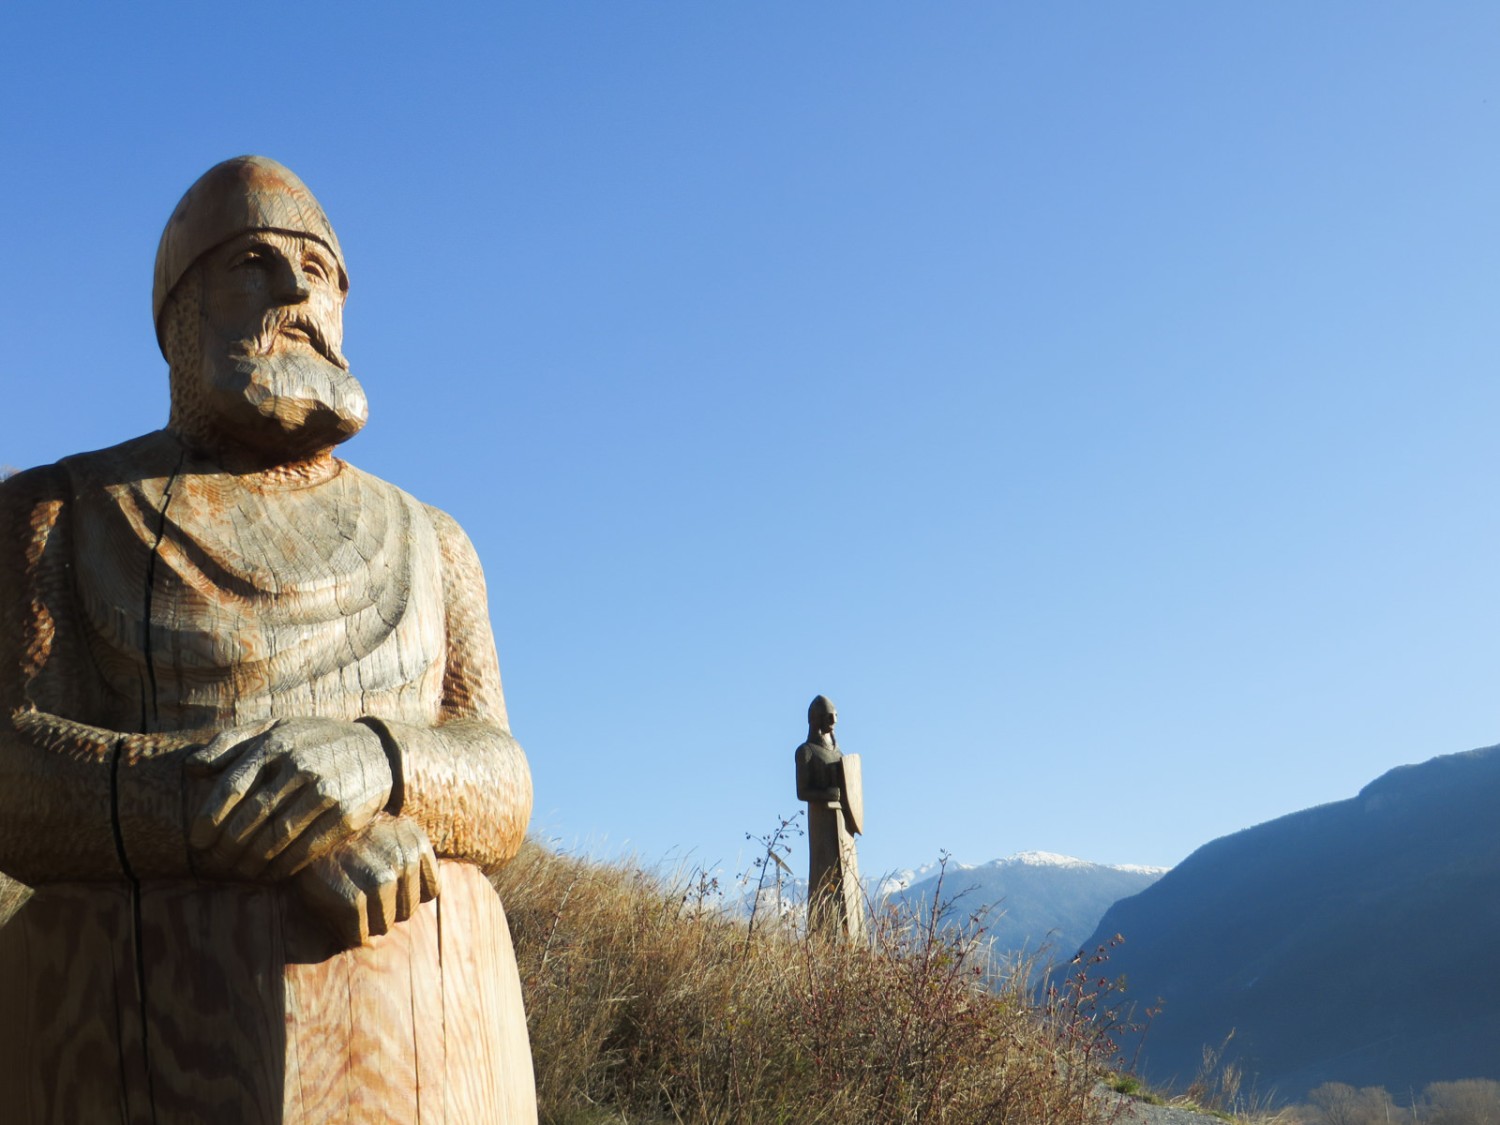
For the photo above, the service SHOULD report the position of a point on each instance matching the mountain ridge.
(1346, 942)
(1032, 903)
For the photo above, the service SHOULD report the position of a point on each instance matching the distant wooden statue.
(831, 784)
(250, 723)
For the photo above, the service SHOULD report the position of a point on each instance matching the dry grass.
(12, 896)
(647, 1005)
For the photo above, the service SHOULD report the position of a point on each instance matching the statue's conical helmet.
(243, 194)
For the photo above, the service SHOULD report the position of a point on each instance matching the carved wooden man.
(830, 782)
(251, 720)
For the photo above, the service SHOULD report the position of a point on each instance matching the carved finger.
(260, 806)
(221, 801)
(226, 795)
(380, 895)
(283, 828)
(321, 835)
(408, 886)
(333, 896)
(431, 873)
(225, 749)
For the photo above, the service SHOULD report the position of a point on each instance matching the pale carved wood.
(246, 698)
(253, 1014)
(854, 793)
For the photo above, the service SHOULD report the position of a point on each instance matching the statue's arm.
(812, 786)
(58, 776)
(465, 779)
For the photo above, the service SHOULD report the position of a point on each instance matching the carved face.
(826, 720)
(267, 373)
(267, 290)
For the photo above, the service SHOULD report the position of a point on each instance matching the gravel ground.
(1137, 1112)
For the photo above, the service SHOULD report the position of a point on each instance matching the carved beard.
(286, 394)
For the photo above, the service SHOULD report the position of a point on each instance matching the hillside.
(1352, 942)
(650, 1004)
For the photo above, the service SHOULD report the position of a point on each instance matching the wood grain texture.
(56, 817)
(213, 1000)
(383, 1036)
(488, 1063)
(225, 655)
(318, 1062)
(71, 1036)
(424, 1024)
(429, 1011)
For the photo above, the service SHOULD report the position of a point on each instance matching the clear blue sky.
(1097, 400)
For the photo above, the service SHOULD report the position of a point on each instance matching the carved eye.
(255, 256)
(314, 267)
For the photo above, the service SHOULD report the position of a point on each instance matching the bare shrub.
(649, 1004)
(1338, 1104)
(1470, 1101)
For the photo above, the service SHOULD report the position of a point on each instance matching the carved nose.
(291, 284)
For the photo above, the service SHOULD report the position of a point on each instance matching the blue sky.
(1097, 400)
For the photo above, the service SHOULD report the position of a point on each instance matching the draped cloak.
(147, 600)
(835, 897)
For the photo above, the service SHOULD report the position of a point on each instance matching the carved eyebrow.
(248, 251)
(314, 256)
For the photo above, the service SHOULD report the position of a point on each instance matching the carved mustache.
(297, 324)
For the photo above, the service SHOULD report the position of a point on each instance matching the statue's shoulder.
(453, 542)
(460, 561)
(26, 498)
(818, 752)
(156, 455)
(373, 489)
(378, 486)
(116, 463)
(151, 455)
(33, 484)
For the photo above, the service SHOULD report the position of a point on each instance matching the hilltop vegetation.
(650, 1004)
(1470, 1101)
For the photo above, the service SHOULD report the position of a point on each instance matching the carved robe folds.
(148, 601)
(835, 897)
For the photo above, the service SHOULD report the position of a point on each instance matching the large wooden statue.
(831, 784)
(250, 724)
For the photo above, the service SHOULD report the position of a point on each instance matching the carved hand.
(372, 880)
(286, 792)
(823, 796)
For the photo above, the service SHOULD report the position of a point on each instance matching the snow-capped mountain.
(898, 881)
(1031, 902)
(1028, 903)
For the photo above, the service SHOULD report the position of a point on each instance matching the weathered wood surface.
(832, 784)
(67, 988)
(854, 793)
(248, 694)
(835, 897)
(422, 1024)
